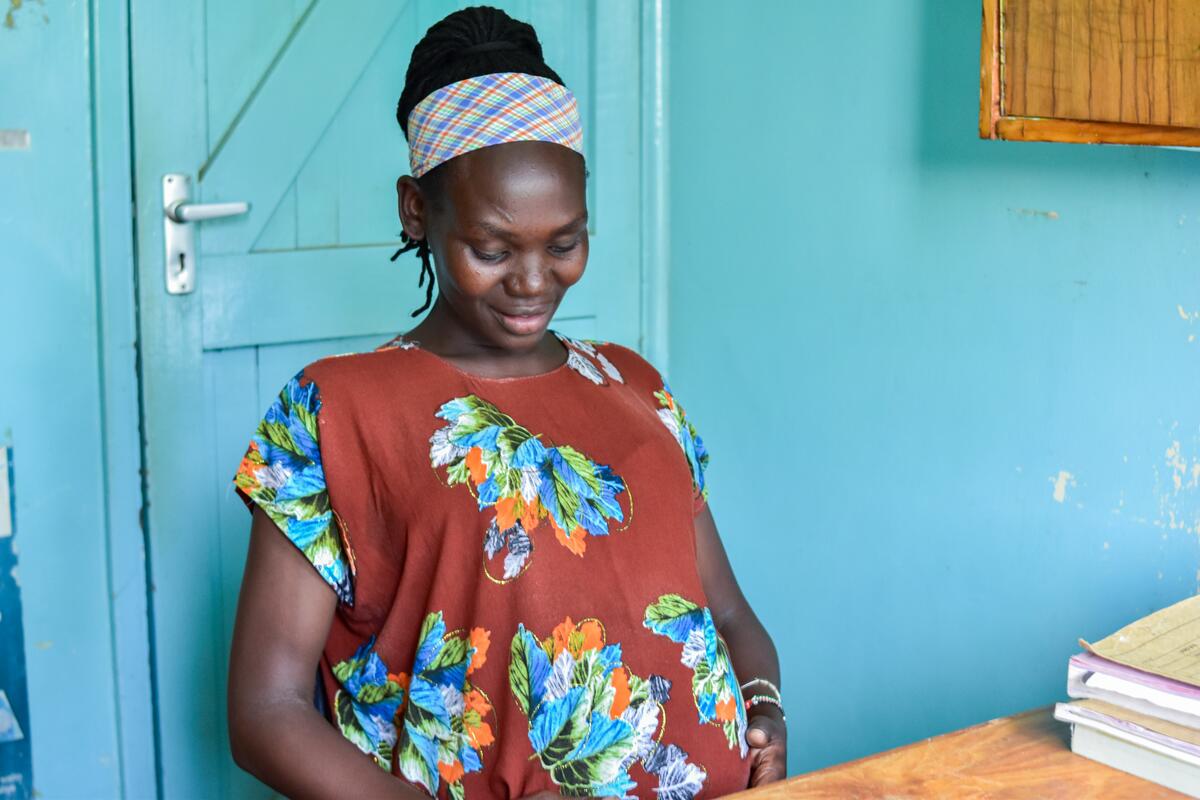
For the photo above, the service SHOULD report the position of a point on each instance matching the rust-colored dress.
(515, 563)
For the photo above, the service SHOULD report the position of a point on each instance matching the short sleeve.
(673, 416)
(282, 473)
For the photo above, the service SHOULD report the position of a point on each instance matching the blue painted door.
(289, 105)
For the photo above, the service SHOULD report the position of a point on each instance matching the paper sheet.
(1165, 643)
(1161, 726)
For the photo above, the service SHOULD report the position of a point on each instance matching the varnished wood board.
(1091, 71)
(1024, 756)
(1126, 61)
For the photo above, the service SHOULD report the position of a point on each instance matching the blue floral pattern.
(673, 416)
(714, 686)
(365, 706)
(591, 718)
(283, 474)
(525, 481)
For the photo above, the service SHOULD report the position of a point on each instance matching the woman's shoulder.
(610, 360)
(355, 378)
(365, 365)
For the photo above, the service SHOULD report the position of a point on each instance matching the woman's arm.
(750, 647)
(283, 616)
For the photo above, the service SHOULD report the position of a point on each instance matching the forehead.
(514, 180)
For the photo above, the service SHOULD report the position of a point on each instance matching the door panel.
(290, 104)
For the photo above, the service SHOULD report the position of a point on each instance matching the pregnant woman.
(489, 540)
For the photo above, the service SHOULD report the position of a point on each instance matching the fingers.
(763, 730)
(769, 769)
(767, 739)
(757, 736)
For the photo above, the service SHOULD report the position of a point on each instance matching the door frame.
(119, 348)
(125, 287)
(656, 240)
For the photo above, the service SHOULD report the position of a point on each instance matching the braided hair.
(475, 41)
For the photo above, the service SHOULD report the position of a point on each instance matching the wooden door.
(289, 105)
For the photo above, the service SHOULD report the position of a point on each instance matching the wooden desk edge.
(1038, 721)
(1024, 755)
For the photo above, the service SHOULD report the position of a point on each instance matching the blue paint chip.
(10, 728)
(16, 762)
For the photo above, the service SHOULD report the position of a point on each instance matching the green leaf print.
(348, 722)
(510, 439)
(583, 467)
(453, 652)
(430, 622)
(518, 671)
(344, 669)
(567, 500)
(668, 613)
(458, 473)
(412, 764)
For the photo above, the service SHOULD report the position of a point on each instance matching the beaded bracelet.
(764, 682)
(762, 698)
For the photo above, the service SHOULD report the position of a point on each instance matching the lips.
(524, 321)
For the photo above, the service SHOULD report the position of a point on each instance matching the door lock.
(178, 235)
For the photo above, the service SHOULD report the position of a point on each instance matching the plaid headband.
(487, 110)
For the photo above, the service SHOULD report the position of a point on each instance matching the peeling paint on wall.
(16, 765)
(14, 9)
(1183, 473)
(1190, 317)
(1177, 484)
(1061, 482)
(1034, 212)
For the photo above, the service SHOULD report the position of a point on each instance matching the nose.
(528, 277)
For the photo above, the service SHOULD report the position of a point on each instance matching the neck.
(444, 334)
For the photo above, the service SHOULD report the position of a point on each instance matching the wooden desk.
(1025, 756)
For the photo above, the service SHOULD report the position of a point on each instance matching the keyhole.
(182, 263)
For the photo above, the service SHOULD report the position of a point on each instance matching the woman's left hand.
(767, 737)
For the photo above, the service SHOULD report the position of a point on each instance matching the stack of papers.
(1137, 705)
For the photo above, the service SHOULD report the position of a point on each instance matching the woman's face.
(508, 231)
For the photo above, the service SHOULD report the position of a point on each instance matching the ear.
(412, 205)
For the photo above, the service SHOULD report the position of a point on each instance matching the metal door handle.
(178, 236)
(197, 212)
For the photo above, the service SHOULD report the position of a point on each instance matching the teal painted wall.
(895, 337)
(68, 397)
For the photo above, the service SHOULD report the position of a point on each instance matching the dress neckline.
(404, 343)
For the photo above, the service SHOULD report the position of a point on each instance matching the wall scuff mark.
(1188, 317)
(1061, 482)
(1034, 212)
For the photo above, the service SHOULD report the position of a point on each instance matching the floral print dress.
(519, 606)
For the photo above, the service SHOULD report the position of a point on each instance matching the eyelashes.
(497, 257)
(489, 257)
(565, 249)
